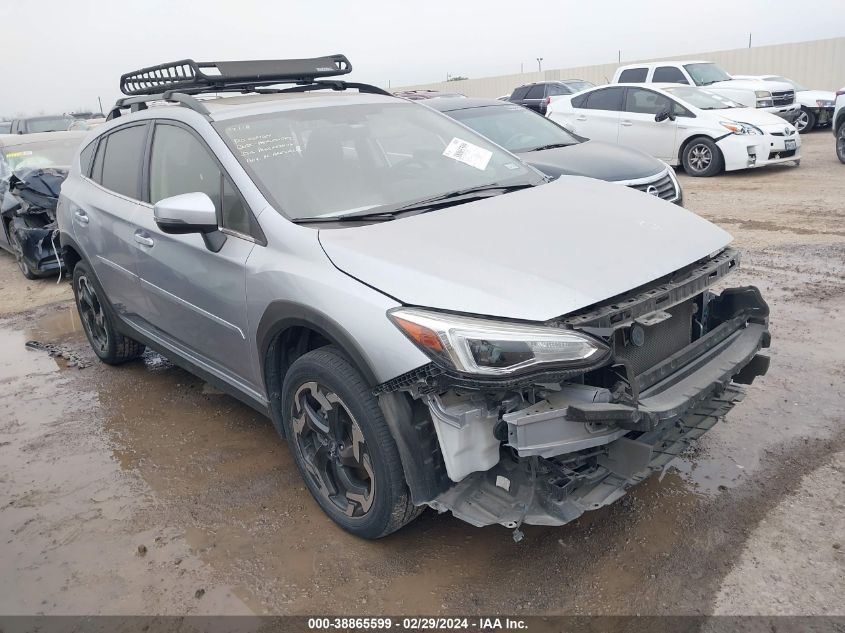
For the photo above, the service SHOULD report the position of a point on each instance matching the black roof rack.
(190, 77)
(177, 81)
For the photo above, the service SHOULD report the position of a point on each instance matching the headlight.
(763, 94)
(471, 345)
(740, 128)
(822, 103)
(764, 99)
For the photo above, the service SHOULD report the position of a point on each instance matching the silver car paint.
(533, 254)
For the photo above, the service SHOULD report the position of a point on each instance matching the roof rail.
(190, 77)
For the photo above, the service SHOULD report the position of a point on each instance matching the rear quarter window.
(519, 93)
(85, 158)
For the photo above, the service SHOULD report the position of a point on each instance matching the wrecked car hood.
(595, 159)
(533, 254)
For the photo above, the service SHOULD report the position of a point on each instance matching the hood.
(809, 97)
(594, 159)
(752, 84)
(754, 116)
(533, 254)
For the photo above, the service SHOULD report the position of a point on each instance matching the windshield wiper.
(549, 146)
(450, 198)
(376, 216)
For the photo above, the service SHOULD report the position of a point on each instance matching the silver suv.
(428, 320)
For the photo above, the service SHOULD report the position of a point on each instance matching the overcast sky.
(60, 55)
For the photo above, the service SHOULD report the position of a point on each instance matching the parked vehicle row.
(682, 125)
(426, 318)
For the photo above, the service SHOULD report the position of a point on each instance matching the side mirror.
(186, 213)
(190, 213)
(663, 115)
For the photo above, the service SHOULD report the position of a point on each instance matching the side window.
(643, 101)
(559, 89)
(578, 102)
(669, 74)
(97, 169)
(537, 91)
(520, 92)
(121, 166)
(633, 76)
(605, 99)
(85, 157)
(180, 163)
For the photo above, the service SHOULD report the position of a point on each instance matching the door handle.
(626, 123)
(143, 239)
(581, 118)
(80, 216)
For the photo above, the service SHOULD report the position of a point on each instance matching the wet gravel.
(140, 489)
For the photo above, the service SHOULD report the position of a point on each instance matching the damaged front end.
(28, 209)
(543, 444)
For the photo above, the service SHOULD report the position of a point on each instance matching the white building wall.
(817, 64)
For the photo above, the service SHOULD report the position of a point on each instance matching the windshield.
(706, 74)
(335, 160)
(513, 127)
(52, 153)
(48, 124)
(578, 86)
(703, 99)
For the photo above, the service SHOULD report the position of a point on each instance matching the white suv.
(839, 124)
(772, 96)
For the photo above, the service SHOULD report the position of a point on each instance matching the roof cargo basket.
(190, 77)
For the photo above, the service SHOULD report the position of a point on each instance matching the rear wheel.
(805, 121)
(342, 446)
(702, 157)
(840, 142)
(108, 344)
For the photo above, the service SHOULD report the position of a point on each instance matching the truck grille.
(783, 98)
(663, 187)
(660, 340)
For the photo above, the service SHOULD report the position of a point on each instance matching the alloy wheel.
(801, 121)
(92, 314)
(700, 157)
(15, 243)
(333, 449)
(840, 143)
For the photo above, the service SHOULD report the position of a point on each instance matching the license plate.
(790, 144)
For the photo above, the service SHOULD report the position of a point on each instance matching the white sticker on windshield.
(466, 152)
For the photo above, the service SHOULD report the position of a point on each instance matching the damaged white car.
(428, 320)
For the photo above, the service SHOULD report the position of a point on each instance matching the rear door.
(597, 117)
(534, 97)
(197, 296)
(103, 214)
(639, 130)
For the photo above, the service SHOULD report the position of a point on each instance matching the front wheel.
(17, 249)
(342, 446)
(805, 121)
(108, 344)
(702, 157)
(840, 142)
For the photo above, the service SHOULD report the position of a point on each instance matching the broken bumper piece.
(577, 453)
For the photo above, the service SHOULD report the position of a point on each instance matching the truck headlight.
(764, 99)
(824, 103)
(736, 127)
(472, 345)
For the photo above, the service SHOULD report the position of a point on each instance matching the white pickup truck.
(772, 96)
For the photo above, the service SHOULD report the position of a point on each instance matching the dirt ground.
(141, 490)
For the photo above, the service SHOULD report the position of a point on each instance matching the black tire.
(110, 346)
(26, 271)
(805, 121)
(840, 142)
(702, 158)
(330, 414)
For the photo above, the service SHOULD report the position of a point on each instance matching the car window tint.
(97, 169)
(180, 163)
(669, 74)
(536, 92)
(605, 99)
(645, 101)
(633, 75)
(85, 158)
(121, 167)
(578, 102)
(559, 89)
(519, 93)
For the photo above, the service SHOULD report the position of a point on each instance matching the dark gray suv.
(537, 96)
(428, 320)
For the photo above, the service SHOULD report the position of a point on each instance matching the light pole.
(539, 64)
